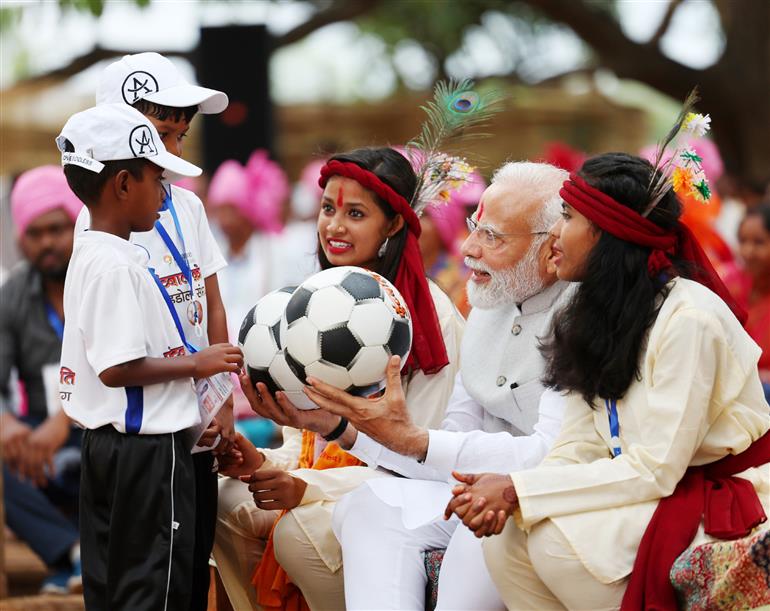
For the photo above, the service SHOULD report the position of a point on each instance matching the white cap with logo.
(152, 77)
(112, 132)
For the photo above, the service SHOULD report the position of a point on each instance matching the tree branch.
(644, 62)
(78, 64)
(339, 10)
(665, 22)
(586, 71)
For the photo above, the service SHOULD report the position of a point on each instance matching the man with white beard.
(499, 418)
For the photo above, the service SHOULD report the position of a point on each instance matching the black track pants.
(137, 521)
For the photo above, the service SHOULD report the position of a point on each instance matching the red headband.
(369, 180)
(626, 224)
(428, 349)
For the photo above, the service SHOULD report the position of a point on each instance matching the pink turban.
(257, 189)
(190, 184)
(38, 191)
(309, 177)
(307, 194)
(449, 218)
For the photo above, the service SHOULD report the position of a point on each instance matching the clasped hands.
(483, 501)
(29, 452)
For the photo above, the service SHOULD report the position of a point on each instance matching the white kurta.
(699, 399)
(498, 418)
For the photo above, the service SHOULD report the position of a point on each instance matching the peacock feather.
(455, 115)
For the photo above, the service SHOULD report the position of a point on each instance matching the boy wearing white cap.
(126, 370)
(183, 252)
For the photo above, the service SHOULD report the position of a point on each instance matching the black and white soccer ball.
(260, 340)
(342, 325)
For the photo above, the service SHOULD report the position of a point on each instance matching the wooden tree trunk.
(735, 91)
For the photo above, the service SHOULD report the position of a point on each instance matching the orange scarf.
(274, 589)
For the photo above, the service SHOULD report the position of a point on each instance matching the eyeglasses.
(492, 239)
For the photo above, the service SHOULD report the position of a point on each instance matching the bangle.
(338, 430)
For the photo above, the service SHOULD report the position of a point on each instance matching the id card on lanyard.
(612, 415)
(212, 392)
(179, 257)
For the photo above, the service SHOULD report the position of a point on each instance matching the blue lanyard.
(181, 262)
(57, 324)
(612, 414)
(174, 315)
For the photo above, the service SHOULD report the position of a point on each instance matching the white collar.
(137, 254)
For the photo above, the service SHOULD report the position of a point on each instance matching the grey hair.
(542, 181)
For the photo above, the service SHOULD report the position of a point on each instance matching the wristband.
(338, 430)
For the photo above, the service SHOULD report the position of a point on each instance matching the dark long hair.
(392, 168)
(597, 340)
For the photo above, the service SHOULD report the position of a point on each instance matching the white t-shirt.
(202, 255)
(114, 314)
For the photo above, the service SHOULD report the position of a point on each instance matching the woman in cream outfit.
(690, 395)
(355, 227)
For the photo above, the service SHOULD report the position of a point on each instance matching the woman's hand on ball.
(261, 401)
(282, 411)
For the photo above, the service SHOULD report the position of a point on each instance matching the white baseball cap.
(152, 77)
(112, 132)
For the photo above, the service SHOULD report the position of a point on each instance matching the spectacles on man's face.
(491, 239)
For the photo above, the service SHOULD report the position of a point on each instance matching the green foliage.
(95, 7)
(439, 25)
(9, 17)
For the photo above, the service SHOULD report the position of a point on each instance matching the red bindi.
(481, 212)
(340, 195)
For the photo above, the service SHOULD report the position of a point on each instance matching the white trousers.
(540, 570)
(384, 560)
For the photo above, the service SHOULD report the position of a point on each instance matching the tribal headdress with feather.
(454, 116)
(677, 166)
(665, 244)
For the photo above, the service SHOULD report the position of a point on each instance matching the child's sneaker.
(56, 583)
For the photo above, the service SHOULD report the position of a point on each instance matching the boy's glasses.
(491, 239)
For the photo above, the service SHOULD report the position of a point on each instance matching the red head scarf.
(428, 350)
(628, 225)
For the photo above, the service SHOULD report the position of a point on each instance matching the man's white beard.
(505, 287)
